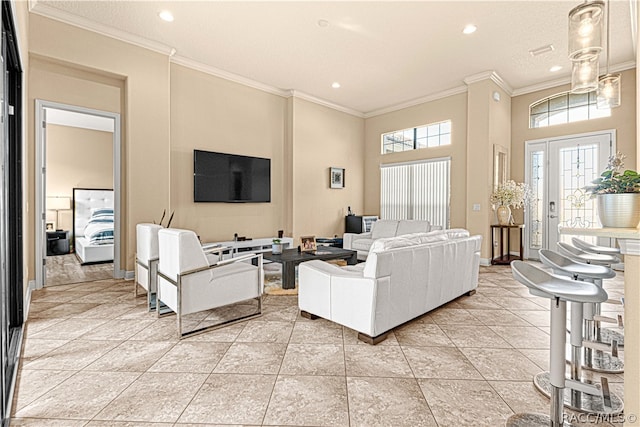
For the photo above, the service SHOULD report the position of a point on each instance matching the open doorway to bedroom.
(78, 194)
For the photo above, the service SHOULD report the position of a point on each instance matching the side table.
(505, 259)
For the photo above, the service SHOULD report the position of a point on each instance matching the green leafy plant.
(613, 180)
(276, 241)
(511, 194)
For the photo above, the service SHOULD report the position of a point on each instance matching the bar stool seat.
(559, 291)
(583, 353)
(596, 249)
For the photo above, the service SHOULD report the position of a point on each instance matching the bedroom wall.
(143, 79)
(325, 138)
(76, 157)
(452, 108)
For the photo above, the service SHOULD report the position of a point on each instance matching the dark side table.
(505, 258)
(57, 242)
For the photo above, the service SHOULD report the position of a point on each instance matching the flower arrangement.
(613, 180)
(511, 194)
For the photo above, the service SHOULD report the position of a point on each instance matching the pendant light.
(608, 95)
(585, 45)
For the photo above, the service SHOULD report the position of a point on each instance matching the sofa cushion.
(407, 226)
(457, 233)
(384, 228)
(362, 244)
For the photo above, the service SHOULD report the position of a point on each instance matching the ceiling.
(385, 54)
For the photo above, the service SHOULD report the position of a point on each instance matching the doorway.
(57, 227)
(557, 170)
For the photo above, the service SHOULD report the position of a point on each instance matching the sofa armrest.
(349, 238)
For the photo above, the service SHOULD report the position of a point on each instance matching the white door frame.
(527, 173)
(41, 190)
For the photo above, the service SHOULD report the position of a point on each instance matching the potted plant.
(508, 195)
(617, 194)
(276, 246)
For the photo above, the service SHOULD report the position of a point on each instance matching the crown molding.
(490, 75)
(217, 72)
(320, 101)
(429, 98)
(566, 80)
(86, 24)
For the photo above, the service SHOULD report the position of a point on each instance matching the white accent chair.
(382, 229)
(403, 278)
(189, 283)
(147, 261)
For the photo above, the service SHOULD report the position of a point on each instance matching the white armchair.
(188, 282)
(147, 261)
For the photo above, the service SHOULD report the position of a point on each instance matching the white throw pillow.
(407, 226)
(384, 228)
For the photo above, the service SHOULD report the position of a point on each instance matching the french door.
(557, 170)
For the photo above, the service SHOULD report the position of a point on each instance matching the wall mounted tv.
(221, 177)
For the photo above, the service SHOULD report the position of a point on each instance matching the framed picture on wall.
(336, 177)
(51, 226)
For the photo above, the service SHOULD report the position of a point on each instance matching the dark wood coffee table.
(290, 258)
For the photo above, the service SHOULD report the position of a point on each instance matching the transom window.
(565, 108)
(432, 135)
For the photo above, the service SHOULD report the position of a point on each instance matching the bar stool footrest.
(588, 403)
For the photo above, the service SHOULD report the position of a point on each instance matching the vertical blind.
(416, 190)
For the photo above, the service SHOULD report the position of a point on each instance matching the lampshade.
(584, 75)
(609, 91)
(585, 30)
(58, 203)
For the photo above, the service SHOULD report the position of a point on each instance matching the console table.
(629, 241)
(505, 259)
(254, 245)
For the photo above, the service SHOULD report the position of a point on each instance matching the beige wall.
(325, 138)
(213, 114)
(452, 108)
(143, 78)
(76, 157)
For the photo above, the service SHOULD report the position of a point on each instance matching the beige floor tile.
(522, 396)
(319, 331)
(382, 402)
(224, 334)
(261, 331)
(458, 403)
(230, 399)
(44, 295)
(252, 358)
(308, 401)
(501, 364)
(164, 329)
(376, 361)
(45, 422)
(452, 316)
(72, 356)
(523, 337)
(36, 324)
(126, 424)
(498, 318)
(154, 397)
(32, 384)
(32, 348)
(66, 309)
(197, 357)
(314, 359)
(117, 329)
(280, 313)
(105, 311)
(132, 356)
(474, 336)
(439, 362)
(68, 329)
(81, 396)
(516, 303)
(477, 301)
(535, 317)
(415, 334)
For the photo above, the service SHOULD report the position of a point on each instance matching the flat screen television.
(229, 178)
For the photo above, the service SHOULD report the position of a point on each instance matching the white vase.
(504, 215)
(619, 210)
(276, 248)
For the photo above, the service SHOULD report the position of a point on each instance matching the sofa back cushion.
(407, 226)
(384, 228)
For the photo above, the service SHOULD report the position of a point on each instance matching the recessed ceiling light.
(555, 68)
(335, 85)
(165, 15)
(469, 29)
(323, 23)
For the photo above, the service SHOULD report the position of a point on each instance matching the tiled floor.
(93, 356)
(63, 269)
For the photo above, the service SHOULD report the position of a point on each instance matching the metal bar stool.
(606, 335)
(558, 290)
(598, 400)
(593, 318)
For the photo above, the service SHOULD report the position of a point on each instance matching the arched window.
(565, 107)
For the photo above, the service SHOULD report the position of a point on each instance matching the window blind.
(416, 190)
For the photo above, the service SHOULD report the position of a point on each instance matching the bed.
(93, 229)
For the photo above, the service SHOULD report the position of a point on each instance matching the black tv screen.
(221, 177)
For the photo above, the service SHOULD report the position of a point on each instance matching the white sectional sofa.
(382, 229)
(403, 278)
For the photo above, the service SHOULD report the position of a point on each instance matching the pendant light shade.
(609, 91)
(585, 30)
(584, 75)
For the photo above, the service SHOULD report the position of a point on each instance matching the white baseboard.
(485, 262)
(129, 275)
(31, 286)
